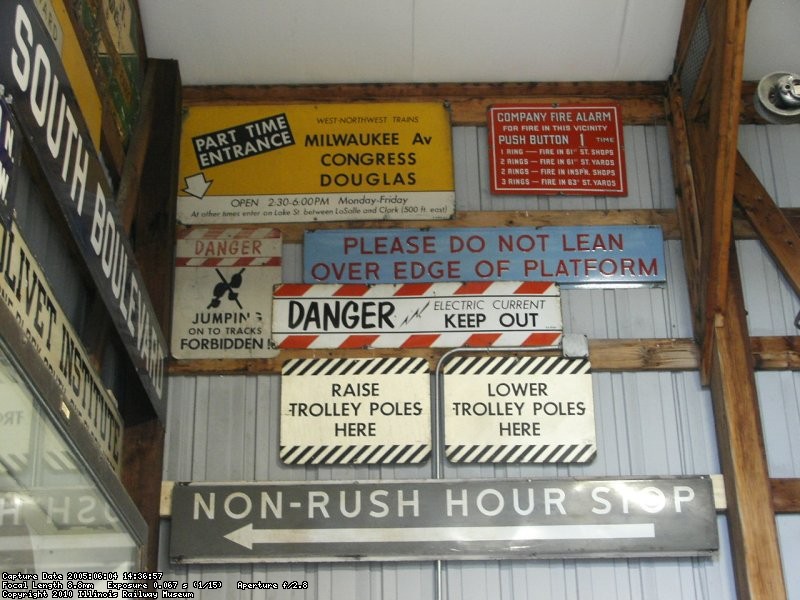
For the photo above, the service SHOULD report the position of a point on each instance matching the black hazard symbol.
(227, 287)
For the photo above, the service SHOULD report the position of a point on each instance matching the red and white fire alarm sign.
(557, 149)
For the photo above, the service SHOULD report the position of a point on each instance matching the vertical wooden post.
(147, 199)
(751, 519)
(704, 136)
(142, 457)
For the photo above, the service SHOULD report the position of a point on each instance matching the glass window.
(53, 516)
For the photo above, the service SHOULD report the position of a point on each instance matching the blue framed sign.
(597, 256)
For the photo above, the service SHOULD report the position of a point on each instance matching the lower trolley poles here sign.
(534, 409)
(423, 315)
(449, 519)
(355, 411)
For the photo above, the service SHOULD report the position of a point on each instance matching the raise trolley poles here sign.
(355, 411)
(442, 315)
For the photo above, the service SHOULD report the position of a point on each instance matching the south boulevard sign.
(442, 315)
(449, 519)
(49, 116)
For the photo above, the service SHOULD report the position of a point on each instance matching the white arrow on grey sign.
(450, 519)
(248, 536)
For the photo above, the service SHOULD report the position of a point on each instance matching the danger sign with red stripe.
(223, 279)
(420, 315)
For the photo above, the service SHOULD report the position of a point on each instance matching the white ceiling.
(411, 41)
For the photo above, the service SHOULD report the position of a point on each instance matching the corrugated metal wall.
(225, 428)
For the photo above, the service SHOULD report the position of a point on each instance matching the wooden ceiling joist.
(642, 102)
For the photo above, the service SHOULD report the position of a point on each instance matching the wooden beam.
(643, 354)
(751, 521)
(691, 15)
(642, 102)
(710, 128)
(786, 495)
(154, 223)
(727, 22)
(743, 229)
(142, 457)
(776, 353)
(772, 226)
(666, 219)
(652, 354)
(147, 195)
(136, 158)
(688, 209)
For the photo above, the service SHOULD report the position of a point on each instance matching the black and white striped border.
(516, 365)
(537, 453)
(355, 455)
(519, 453)
(354, 366)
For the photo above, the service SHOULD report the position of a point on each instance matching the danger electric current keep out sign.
(427, 315)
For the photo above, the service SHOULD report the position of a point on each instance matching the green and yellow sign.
(325, 162)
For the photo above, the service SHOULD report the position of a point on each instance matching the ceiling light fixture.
(778, 98)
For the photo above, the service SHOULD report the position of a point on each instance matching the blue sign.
(608, 256)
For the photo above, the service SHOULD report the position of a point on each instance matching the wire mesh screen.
(696, 55)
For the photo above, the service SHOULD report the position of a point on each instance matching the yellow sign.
(327, 162)
(55, 17)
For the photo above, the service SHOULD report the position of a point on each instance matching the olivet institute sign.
(449, 519)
